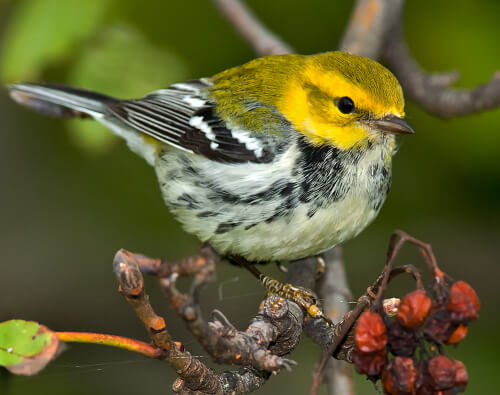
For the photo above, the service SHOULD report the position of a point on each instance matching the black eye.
(345, 105)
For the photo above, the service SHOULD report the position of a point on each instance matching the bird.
(278, 159)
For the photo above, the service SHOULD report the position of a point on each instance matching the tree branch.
(272, 333)
(195, 378)
(244, 21)
(336, 293)
(260, 345)
(367, 29)
(432, 91)
(131, 286)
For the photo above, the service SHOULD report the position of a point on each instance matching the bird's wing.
(183, 117)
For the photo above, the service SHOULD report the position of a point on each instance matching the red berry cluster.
(386, 348)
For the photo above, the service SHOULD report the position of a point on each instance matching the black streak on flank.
(226, 196)
(279, 213)
(291, 202)
(388, 185)
(311, 212)
(190, 170)
(335, 191)
(305, 196)
(280, 187)
(288, 189)
(226, 227)
(274, 217)
(374, 170)
(251, 226)
(217, 193)
(205, 214)
(382, 176)
(187, 198)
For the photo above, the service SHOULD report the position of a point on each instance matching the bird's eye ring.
(345, 105)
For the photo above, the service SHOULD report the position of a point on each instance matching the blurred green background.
(72, 195)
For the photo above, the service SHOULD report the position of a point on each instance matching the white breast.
(295, 235)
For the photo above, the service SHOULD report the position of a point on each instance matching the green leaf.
(121, 63)
(42, 32)
(20, 339)
(26, 347)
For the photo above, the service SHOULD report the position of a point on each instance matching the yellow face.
(336, 95)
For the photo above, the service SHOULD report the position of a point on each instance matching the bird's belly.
(260, 213)
(255, 234)
(299, 235)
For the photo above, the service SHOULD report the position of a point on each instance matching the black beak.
(391, 124)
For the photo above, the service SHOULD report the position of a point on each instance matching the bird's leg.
(320, 265)
(303, 297)
(282, 268)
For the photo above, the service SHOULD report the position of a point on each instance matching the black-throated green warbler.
(277, 159)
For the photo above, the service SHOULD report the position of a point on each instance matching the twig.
(111, 340)
(336, 293)
(194, 377)
(277, 319)
(340, 342)
(244, 21)
(412, 271)
(432, 91)
(242, 381)
(367, 29)
(131, 285)
(183, 267)
(274, 331)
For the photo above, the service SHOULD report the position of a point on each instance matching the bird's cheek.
(322, 110)
(343, 137)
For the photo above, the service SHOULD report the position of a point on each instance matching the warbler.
(278, 159)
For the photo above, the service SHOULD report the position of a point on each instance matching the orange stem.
(111, 340)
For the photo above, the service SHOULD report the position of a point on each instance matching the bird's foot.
(303, 297)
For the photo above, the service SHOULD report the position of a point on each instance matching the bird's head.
(344, 100)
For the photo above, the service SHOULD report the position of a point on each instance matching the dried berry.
(469, 291)
(425, 389)
(414, 308)
(461, 307)
(423, 383)
(370, 333)
(402, 345)
(401, 340)
(463, 302)
(442, 371)
(457, 335)
(461, 377)
(399, 377)
(439, 327)
(370, 363)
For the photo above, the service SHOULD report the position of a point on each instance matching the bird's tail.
(60, 101)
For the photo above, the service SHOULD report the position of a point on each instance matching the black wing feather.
(182, 117)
